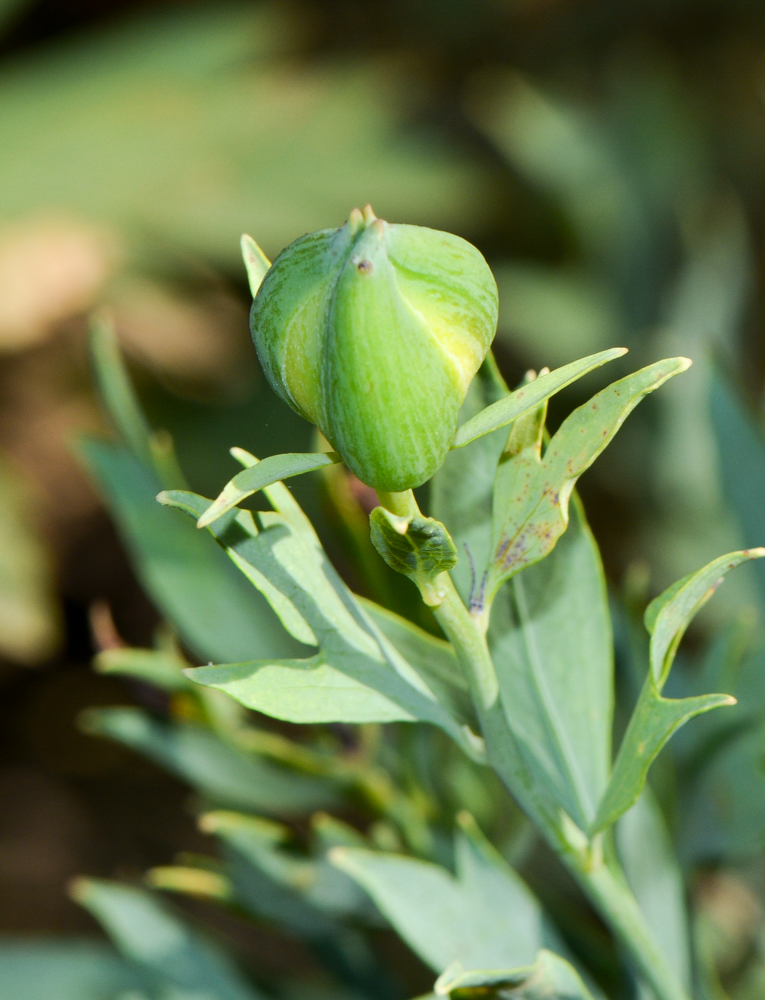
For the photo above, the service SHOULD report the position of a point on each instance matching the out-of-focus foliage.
(29, 625)
(609, 161)
(185, 127)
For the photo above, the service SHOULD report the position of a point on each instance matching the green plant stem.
(400, 504)
(609, 893)
(615, 901)
(465, 634)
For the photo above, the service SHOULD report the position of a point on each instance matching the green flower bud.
(373, 332)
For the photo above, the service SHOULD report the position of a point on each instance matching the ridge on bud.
(373, 332)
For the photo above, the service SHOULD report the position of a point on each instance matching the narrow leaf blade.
(529, 396)
(531, 495)
(301, 691)
(146, 932)
(669, 614)
(221, 773)
(550, 639)
(271, 470)
(217, 613)
(654, 720)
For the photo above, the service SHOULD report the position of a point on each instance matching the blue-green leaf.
(434, 659)
(221, 773)
(531, 494)
(216, 612)
(357, 675)
(303, 893)
(669, 614)
(147, 933)
(550, 640)
(271, 470)
(484, 917)
(649, 861)
(44, 968)
(529, 397)
(741, 452)
(655, 718)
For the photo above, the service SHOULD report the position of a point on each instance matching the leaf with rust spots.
(531, 492)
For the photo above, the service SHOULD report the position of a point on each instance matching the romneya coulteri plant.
(379, 335)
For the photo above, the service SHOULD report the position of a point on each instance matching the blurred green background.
(607, 158)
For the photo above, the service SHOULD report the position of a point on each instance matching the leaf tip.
(210, 515)
(77, 888)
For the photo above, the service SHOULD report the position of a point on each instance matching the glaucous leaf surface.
(357, 675)
(550, 640)
(484, 917)
(217, 613)
(531, 493)
(721, 784)
(148, 934)
(221, 773)
(504, 411)
(301, 892)
(655, 718)
(433, 658)
(267, 472)
(64, 968)
(648, 858)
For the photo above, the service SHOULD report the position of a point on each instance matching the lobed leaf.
(531, 494)
(668, 615)
(528, 397)
(267, 472)
(655, 718)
